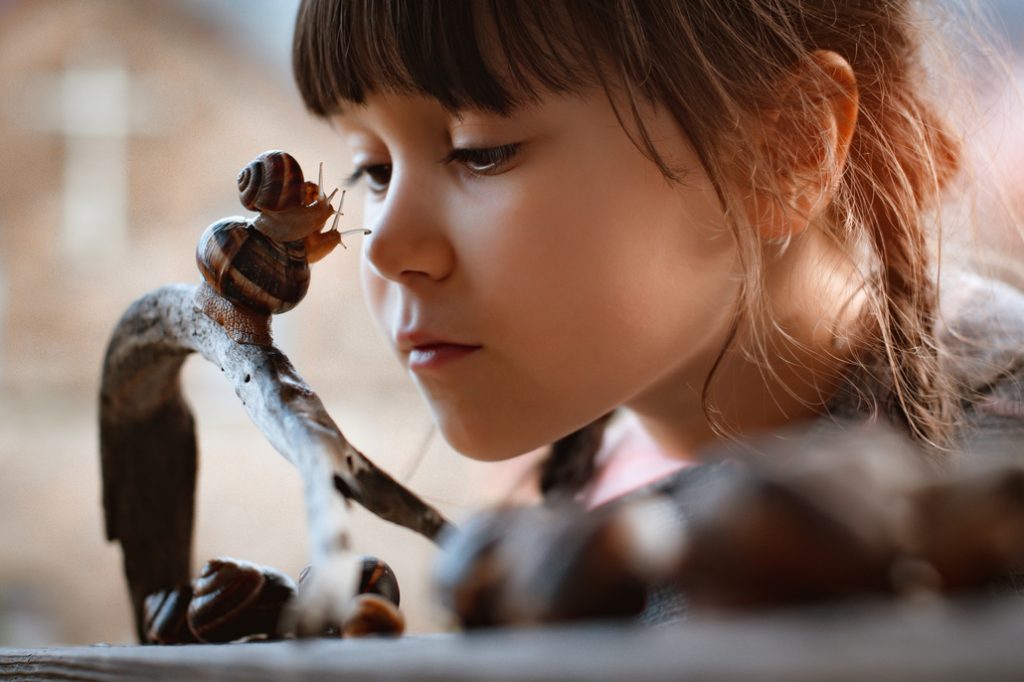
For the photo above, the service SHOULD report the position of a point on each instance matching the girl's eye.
(377, 177)
(478, 161)
(482, 160)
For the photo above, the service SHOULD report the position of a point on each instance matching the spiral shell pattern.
(272, 182)
(252, 270)
(234, 599)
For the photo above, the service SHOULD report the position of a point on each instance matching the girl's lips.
(435, 355)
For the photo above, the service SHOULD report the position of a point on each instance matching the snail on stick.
(148, 445)
(254, 268)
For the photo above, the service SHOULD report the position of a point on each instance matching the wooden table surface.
(907, 642)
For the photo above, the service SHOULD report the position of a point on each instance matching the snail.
(254, 268)
(375, 609)
(234, 599)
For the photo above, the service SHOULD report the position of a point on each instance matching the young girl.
(710, 219)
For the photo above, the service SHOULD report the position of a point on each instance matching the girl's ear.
(806, 138)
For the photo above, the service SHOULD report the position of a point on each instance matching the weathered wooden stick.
(148, 452)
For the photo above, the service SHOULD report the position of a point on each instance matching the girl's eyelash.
(486, 159)
(363, 170)
(377, 173)
(477, 160)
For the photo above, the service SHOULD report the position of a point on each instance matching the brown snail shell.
(376, 577)
(235, 599)
(250, 269)
(272, 182)
(165, 616)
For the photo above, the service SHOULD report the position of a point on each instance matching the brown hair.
(715, 65)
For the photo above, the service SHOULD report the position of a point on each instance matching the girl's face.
(548, 240)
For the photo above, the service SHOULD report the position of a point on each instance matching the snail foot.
(243, 325)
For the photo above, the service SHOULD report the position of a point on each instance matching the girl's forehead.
(453, 51)
(383, 110)
(387, 110)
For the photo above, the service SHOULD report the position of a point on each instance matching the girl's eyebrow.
(471, 125)
(350, 115)
(515, 109)
(344, 121)
(483, 119)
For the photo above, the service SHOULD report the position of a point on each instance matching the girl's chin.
(491, 439)
(487, 452)
(483, 446)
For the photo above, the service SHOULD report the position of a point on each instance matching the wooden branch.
(148, 452)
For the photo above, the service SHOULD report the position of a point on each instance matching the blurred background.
(122, 127)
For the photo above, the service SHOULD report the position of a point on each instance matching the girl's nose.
(408, 240)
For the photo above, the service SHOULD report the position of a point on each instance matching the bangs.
(484, 54)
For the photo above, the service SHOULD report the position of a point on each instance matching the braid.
(570, 464)
(901, 158)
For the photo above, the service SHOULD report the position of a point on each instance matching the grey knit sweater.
(981, 325)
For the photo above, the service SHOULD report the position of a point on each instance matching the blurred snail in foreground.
(254, 268)
(235, 600)
(375, 608)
